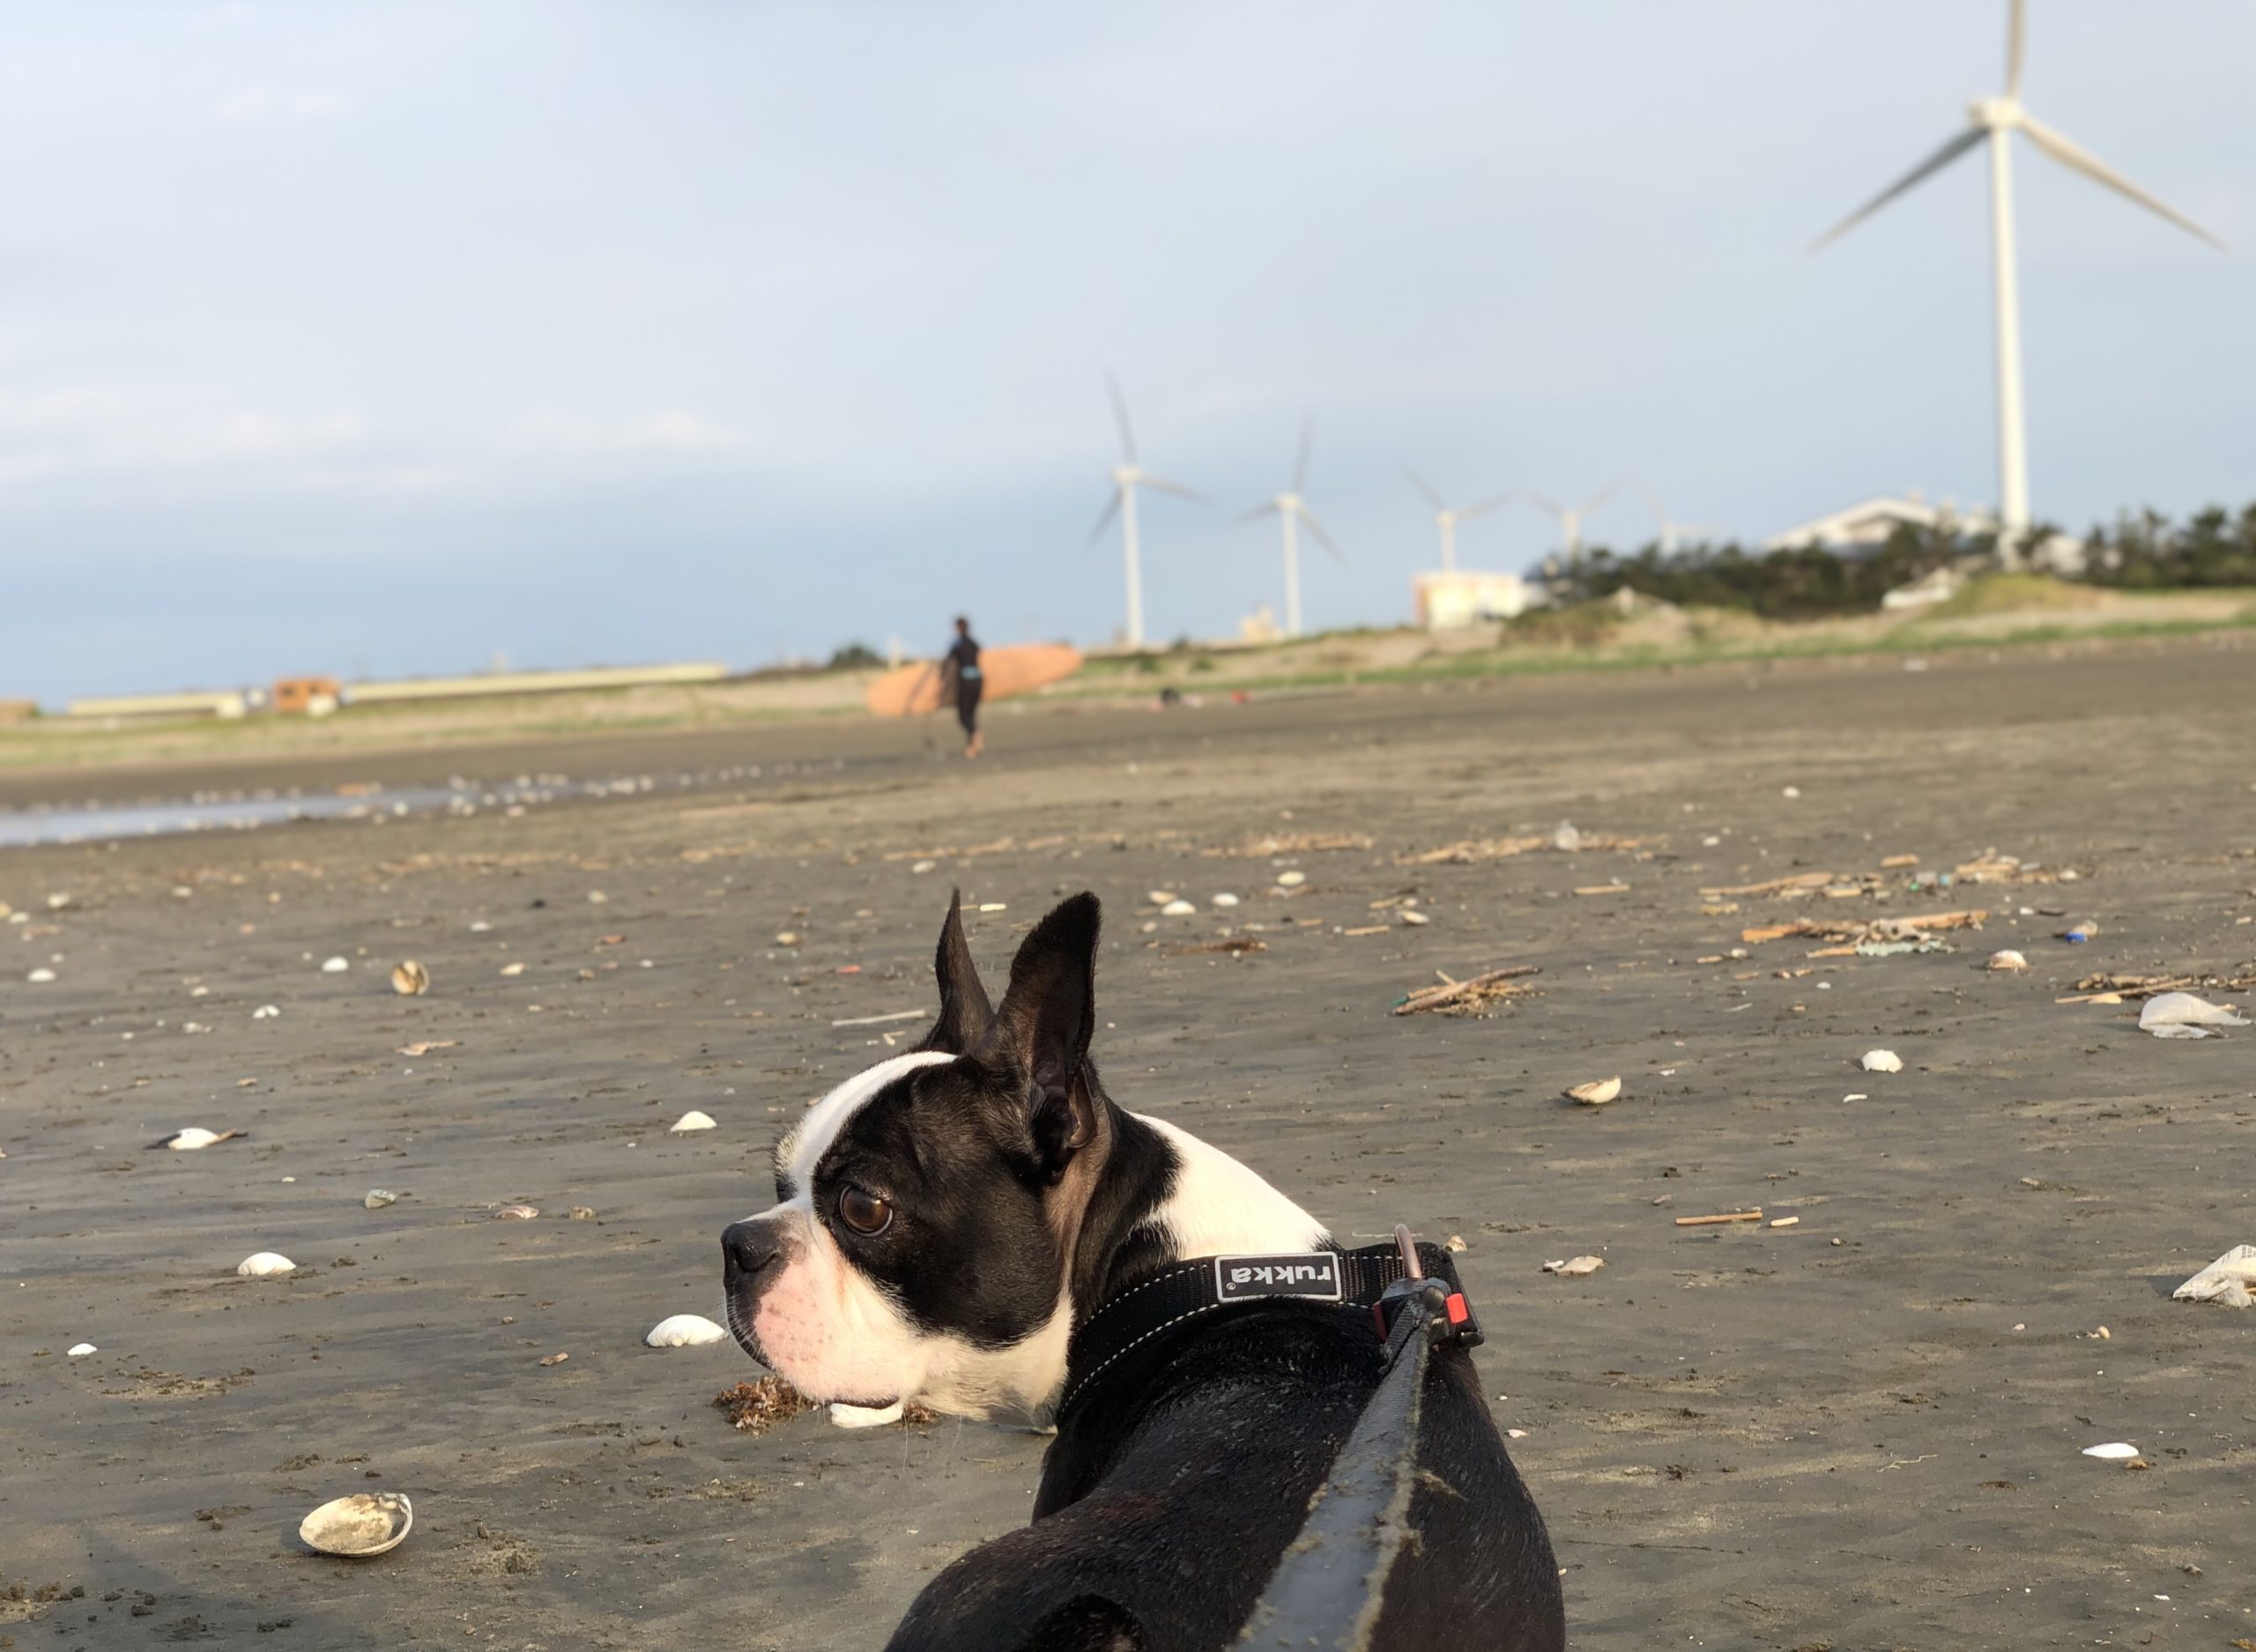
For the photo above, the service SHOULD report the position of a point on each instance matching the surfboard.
(910, 691)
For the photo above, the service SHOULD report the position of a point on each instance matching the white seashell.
(1224, 899)
(2113, 1451)
(516, 1212)
(1596, 1093)
(1178, 910)
(365, 1524)
(1159, 897)
(194, 1136)
(410, 979)
(376, 1198)
(1410, 914)
(1566, 837)
(843, 1416)
(264, 1264)
(79, 1351)
(922, 867)
(56, 902)
(2008, 960)
(692, 1120)
(40, 976)
(1575, 1267)
(684, 1331)
(596, 897)
(512, 970)
(335, 965)
(789, 937)
(994, 905)
(1291, 880)
(1883, 1061)
(266, 1012)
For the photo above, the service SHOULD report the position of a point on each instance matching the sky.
(393, 338)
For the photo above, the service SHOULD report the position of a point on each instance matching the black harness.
(1375, 1279)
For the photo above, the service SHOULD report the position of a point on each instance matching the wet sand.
(1859, 1430)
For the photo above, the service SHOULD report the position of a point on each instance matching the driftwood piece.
(1463, 997)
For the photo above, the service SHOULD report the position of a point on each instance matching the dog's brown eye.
(866, 1213)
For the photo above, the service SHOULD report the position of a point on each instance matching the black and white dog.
(948, 1222)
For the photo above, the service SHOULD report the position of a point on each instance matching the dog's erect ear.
(965, 1013)
(1041, 1036)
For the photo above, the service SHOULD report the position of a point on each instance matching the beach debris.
(2225, 1280)
(1292, 880)
(1414, 917)
(2006, 959)
(2182, 1015)
(1575, 1267)
(596, 897)
(921, 868)
(1159, 897)
(684, 1331)
(512, 970)
(1456, 1243)
(1852, 935)
(1881, 1060)
(1368, 928)
(1596, 1093)
(2113, 1451)
(516, 1212)
(79, 1351)
(690, 1121)
(788, 937)
(376, 1198)
(335, 965)
(1238, 945)
(410, 979)
(1468, 998)
(558, 1358)
(1786, 1221)
(264, 1264)
(1565, 840)
(2118, 988)
(1617, 887)
(58, 900)
(365, 1524)
(1712, 1221)
(879, 1021)
(1990, 867)
(994, 905)
(754, 1408)
(40, 976)
(2076, 935)
(195, 1137)
(580, 1213)
(1225, 899)
(266, 1012)
(1179, 909)
(426, 1046)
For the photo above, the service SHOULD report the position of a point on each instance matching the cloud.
(674, 432)
(264, 105)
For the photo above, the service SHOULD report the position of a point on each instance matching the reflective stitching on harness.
(1204, 1307)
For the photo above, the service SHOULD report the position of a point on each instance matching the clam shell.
(1225, 899)
(1596, 1093)
(692, 1120)
(335, 965)
(194, 1136)
(2008, 960)
(79, 1351)
(1291, 880)
(376, 1198)
(1881, 1060)
(684, 1331)
(264, 1263)
(365, 1524)
(410, 979)
(1410, 914)
(1178, 910)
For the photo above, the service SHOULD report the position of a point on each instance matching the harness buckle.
(1416, 1306)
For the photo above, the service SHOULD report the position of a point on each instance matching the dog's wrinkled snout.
(748, 1250)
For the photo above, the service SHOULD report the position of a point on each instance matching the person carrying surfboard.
(961, 675)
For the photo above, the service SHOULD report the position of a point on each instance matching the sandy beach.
(1861, 1430)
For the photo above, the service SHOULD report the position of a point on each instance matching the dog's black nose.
(746, 1249)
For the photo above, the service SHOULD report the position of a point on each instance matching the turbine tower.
(1670, 528)
(1446, 520)
(1292, 512)
(1996, 119)
(1570, 516)
(1127, 478)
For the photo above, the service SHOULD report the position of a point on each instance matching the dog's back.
(1160, 1519)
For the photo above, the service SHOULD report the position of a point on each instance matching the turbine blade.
(1120, 413)
(1538, 501)
(2016, 41)
(1425, 488)
(1920, 174)
(1111, 509)
(1300, 464)
(1175, 488)
(1484, 507)
(1651, 504)
(2077, 158)
(1309, 521)
(1590, 505)
(1255, 515)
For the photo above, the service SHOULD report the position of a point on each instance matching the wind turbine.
(1127, 478)
(1571, 517)
(1292, 512)
(1669, 527)
(1997, 119)
(1446, 520)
